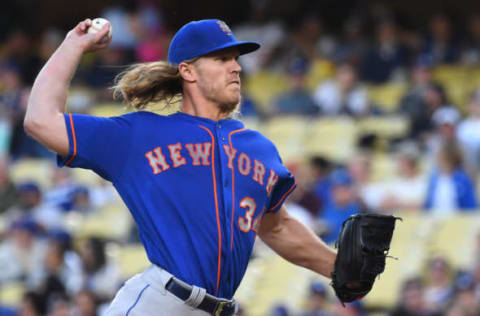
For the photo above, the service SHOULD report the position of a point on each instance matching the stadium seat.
(111, 222)
(108, 109)
(408, 245)
(264, 86)
(450, 232)
(387, 96)
(131, 259)
(277, 281)
(333, 137)
(252, 123)
(384, 126)
(11, 293)
(383, 167)
(319, 71)
(288, 134)
(37, 170)
(456, 81)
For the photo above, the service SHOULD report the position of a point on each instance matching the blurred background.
(373, 106)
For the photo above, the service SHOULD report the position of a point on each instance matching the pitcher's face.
(218, 77)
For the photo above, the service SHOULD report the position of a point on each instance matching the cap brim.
(243, 47)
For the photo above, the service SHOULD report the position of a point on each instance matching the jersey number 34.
(245, 223)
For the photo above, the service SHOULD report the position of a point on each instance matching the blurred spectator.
(100, 275)
(440, 43)
(414, 104)
(471, 48)
(360, 169)
(279, 310)
(420, 105)
(387, 57)
(152, 42)
(84, 304)
(342, 95)
(61, 266)
(103, 193)
(445, 120)
(32, 304)
(317, 302)
(81, 202)
(344, 202)
(19, 52)
(350, 309)
(10, 100)
(352, 45)
(320, 168)
(249, 107)
(51, 39)
(22, 252)
(303, 204)
(122, 19)
(265, 30)
(8, 192)
(59, 305)
(241, 310)
(449, 187)
(30, 205)
(60, 190)
(307, 41)
(468, 134)
(81, 99)
(406, 191)
(437, 287)
(13, 102)
(411, 300)
(464, 300)
(106, 65)
(298, 99)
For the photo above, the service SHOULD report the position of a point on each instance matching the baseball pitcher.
(199, 185)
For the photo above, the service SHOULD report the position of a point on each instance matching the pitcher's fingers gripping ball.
(363, 245)
(97, 25)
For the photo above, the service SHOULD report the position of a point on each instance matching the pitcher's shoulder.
(256, 138)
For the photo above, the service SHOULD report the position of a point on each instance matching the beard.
(229, 107)
(227, 102)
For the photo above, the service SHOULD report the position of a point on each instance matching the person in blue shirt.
(449, 187)
(199, 185)
(343, 203)
(318, 301)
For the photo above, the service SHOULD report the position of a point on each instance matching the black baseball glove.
(363, 246)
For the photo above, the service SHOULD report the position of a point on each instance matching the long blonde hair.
(153, 82)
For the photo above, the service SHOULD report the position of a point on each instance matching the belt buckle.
(220, 306)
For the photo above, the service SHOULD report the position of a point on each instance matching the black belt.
(210, 304)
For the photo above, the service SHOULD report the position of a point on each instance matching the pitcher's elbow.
(31, 126)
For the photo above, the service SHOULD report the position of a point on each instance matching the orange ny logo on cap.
(224, 27)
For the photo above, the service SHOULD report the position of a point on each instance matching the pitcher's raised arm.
(44, 118)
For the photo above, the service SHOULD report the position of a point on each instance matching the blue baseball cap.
(199, 38)
(341, 177)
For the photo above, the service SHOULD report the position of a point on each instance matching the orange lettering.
(231, 153)
(272, 180)
(258, 171)
(176, 156)
(156, 159)
(201, 151)
(244, 164)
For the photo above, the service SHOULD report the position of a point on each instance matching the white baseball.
(97, 25)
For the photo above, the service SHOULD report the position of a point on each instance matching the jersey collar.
(228, 122)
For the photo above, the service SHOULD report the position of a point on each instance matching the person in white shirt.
(468, 134)
(406, 191)
(342, 95)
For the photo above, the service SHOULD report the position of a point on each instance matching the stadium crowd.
(436, 162)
